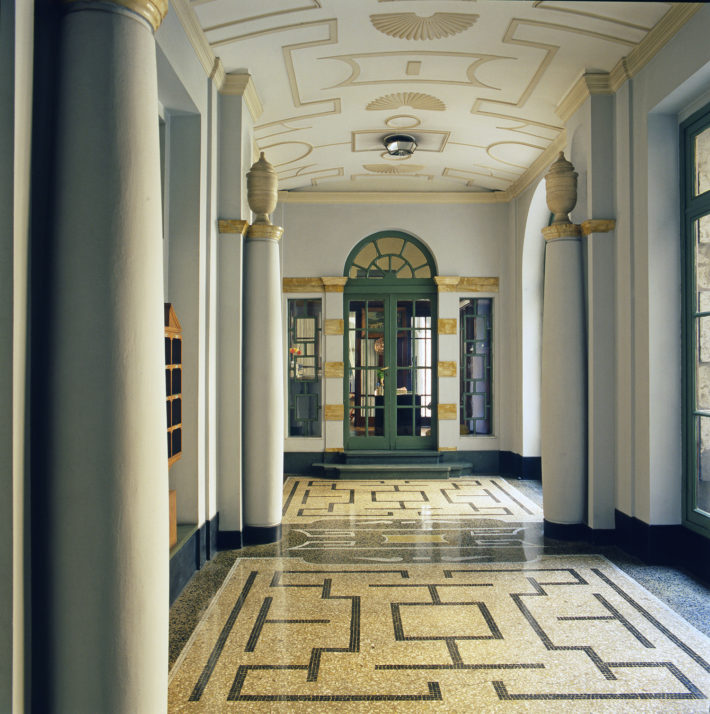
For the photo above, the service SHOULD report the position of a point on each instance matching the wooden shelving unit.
(173, 383)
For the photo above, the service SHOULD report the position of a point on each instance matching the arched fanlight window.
(390, 254)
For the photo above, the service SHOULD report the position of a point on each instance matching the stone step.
(396, 471)
(392, 457)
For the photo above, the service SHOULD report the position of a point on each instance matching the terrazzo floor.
(434, 596)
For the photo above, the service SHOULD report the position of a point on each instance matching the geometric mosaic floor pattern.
(545, 635)
(307, 499)
(341, 625)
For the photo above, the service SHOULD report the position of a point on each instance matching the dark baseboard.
(506, 463)
(183, 565)
(516, 466)
(211, 540)
(675, 545)
(300, 463)
(258, 535)
(202, 537)
(482, 462)
(655, 545)
(565, 531)
(579, 532)
(229, 540)
(200, 547)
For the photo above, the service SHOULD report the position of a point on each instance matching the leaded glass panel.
(304, 367)
(476, 336)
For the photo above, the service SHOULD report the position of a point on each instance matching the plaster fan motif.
(389, 169)
(416, 100)
(410, 26)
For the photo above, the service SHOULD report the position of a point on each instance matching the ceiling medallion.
(409, 26)
(388, 169)
(416, 100)
(402, 121)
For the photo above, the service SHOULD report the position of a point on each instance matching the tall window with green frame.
(304, 367)
(695, 182)
(475, 365)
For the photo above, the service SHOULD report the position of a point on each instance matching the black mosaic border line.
(658, 625)
(692, 693)
(462, 665)
(235, 694)
(199, 688)
(289, 498)
(512, 498)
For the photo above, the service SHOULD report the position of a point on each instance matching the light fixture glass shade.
(400, 144)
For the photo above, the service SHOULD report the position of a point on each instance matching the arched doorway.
(390, 344)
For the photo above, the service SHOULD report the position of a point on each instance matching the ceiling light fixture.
(400, 144)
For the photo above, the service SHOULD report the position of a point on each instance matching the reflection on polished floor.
(434, 596)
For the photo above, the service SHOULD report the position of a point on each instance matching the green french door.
(695, 193)
(390, 374)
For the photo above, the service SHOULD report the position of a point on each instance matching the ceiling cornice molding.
(588, 84)
(217, 74)
(540, 164)
(393, 197)
(186, 15)
(629, 66)
(661, 33)
(243, 85)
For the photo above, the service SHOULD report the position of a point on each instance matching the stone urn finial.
(561, 185)
(262, 190)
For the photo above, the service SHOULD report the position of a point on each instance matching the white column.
(263, 403)
(229, 380)
(601, 391)
(107, 529)
(563, 408)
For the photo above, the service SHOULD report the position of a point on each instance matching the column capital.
(597, 225)
(233, 226)
(152, 10)
(446, 283)
(562, 231)
(334, 285)
(264, 231)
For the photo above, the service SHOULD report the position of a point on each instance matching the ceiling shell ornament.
(409, 26)
(416, 100)
(390, 169)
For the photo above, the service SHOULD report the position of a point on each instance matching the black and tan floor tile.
(308, 499)
(408, 611)
(559, 632)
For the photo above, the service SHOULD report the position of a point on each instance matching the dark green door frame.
(389, 295)
(695, 204)
(390, 266)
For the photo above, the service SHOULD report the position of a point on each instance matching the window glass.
(475, 365)
(304, 367)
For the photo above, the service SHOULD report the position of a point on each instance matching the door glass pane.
(702, 262)
(702, 363)
(702, 162)
(414, 367)
(702, 484)
(366, 324)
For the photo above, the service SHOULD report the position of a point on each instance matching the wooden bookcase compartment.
(173, 383)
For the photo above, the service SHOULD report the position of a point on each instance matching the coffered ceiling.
(484, 87)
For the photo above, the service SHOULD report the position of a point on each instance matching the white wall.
(471, 240)
(188, 102)
(648, 282)
(464, 239)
